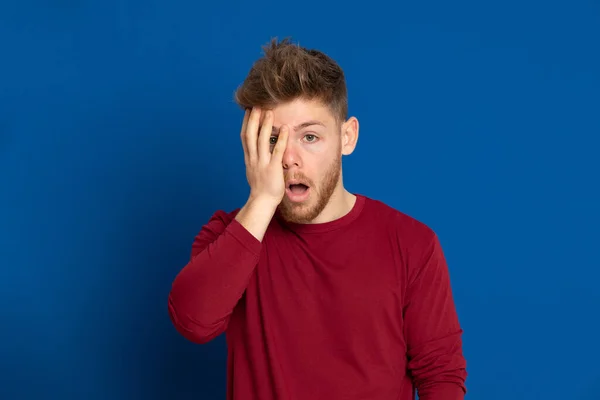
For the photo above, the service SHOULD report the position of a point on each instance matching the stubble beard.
(307, 211)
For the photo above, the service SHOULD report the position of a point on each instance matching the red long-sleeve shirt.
(357, 308)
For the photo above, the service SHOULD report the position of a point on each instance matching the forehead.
(300, 111)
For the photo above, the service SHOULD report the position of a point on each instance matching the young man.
(323, 294)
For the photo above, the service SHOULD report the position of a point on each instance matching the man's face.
(313, 157)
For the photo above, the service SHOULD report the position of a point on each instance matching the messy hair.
(288, 72)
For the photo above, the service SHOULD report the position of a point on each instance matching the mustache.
(298, 177)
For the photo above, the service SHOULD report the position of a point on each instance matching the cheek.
(318, 170)
(317, 149)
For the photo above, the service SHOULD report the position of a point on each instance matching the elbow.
(450, 369)
(446, 382)
(439, 372)
(192, 328)
(449, 384)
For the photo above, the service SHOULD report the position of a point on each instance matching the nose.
(291, 157)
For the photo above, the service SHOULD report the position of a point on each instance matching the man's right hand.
(264, 170)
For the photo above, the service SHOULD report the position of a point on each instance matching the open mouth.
(298, 188)
(297, 192)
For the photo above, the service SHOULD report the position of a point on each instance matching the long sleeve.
(205, 292)
(432, 330)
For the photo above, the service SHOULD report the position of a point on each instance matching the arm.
(224, 256)
(432, 329)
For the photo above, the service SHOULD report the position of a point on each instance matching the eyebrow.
(301, 126)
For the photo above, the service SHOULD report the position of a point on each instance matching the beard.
(318, 199)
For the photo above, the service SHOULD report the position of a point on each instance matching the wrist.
(264, 203)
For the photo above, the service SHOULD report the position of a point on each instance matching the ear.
(349, 135)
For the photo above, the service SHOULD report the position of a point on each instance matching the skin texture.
(313, 155)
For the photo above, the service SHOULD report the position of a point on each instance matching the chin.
(301, 213)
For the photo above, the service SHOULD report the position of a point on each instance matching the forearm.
(208, 288)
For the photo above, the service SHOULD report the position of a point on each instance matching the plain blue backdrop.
(119, 138)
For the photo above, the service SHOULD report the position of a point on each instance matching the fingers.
(243, 134)
(252, 135)
(279, 149)
(264, 146)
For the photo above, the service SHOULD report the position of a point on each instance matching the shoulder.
(214, 226)
(407, 230)
(217, 223)
(223, 217)
(211, 229)
(418, 244)
(411, 236)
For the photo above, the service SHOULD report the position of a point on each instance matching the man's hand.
(264, 169)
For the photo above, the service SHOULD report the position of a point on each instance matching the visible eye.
(310, 138)
(273, 140)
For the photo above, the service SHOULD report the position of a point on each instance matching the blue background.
(119, 139)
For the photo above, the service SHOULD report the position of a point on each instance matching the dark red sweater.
(357, 308)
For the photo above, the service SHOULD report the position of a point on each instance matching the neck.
(340, 204)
